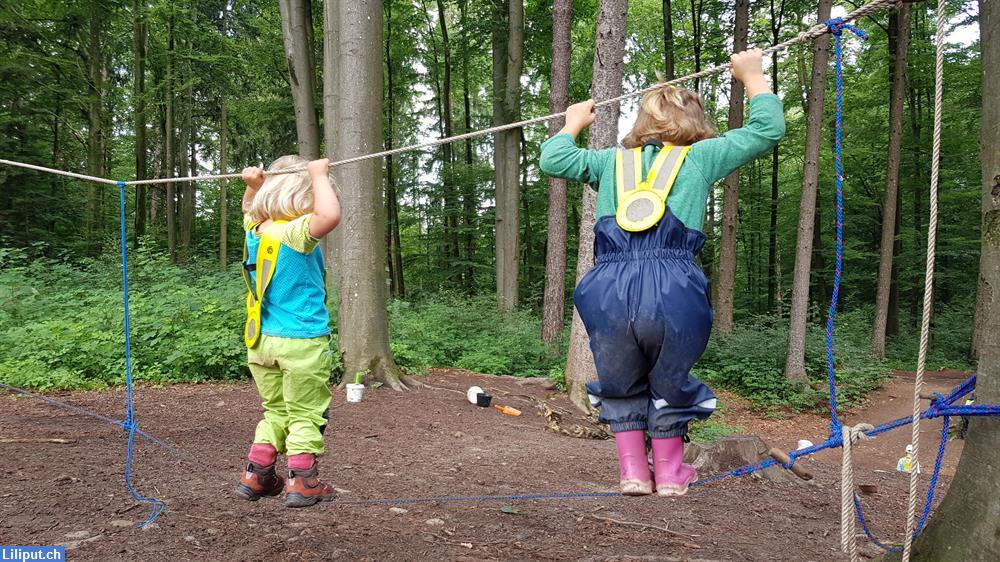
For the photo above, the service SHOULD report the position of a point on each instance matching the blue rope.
(129, 423)
(836, 26)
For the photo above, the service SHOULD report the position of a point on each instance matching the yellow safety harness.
(267, 261)
(641, 204)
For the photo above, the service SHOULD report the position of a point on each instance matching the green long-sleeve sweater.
(708, 161)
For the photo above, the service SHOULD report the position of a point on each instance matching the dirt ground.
(61, 482)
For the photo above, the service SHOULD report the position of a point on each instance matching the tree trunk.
(553, 309)
(668, 39)
(96, 133)
(777, 19)
(169, 150)
(223, 185)
(333, 242)
(795, 367)
(470, 205)
(697, 9)
(296, 30)
(186, 165)
(451, 211)
(508, 57)
(139, 33)
(397, 287)
(725, 284)
(899, 42)
(364, 327)
(609, 53)
(967, 524)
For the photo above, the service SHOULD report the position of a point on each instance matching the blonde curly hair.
(674, 116)
(284, 196)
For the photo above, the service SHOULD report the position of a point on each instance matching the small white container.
(470, 394)
(355, 392)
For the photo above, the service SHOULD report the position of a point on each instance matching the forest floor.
(61, 476)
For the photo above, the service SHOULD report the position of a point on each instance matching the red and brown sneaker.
(303, 489)
(259, 481)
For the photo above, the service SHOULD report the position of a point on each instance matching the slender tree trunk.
(451, 210)
(139, 33)
(186, 166)
(364, 327)
(296, 30)
(609, 53)
(470, 204)
(777, 20)
(95, 121)
(900, 23)
(508, 58)
(553, 309)
(725, 285)
(916, 118)
(170, 138)
(795, 368)
(223, 185)
(967, 524)
(668, 39)
(395, 258)
(697, 9)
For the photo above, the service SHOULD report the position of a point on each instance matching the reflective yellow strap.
(663, 173)
(628, 172)
(267, 261)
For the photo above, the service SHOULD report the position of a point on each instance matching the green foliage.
(468, 333)
(62, 323)
(751, 363)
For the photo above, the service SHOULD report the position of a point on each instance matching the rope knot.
(838, 25)
(857, 433)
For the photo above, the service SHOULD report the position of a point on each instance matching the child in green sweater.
(645, 303)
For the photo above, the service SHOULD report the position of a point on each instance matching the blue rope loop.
(837, 25)
(129, 424)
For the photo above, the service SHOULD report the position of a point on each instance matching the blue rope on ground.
(129, 423)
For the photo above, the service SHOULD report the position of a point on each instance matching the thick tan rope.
(848, 533)
(925, 323)
(803, 36)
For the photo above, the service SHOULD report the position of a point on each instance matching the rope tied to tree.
(852, 434)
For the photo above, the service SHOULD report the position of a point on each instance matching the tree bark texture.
(508, 58)
(668, 39)
(609, 54)
(363, 326)
(331, 113)
(139, 34)
(297, 33)
(890, 204)
(967, 524)
(553, 310)
(795, 361)
(726, 281)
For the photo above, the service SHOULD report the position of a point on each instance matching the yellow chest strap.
(267, 261)
(642, 203)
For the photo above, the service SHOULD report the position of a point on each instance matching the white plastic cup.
(355, 392)
(470, 394)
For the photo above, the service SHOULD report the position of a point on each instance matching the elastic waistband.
(654, 254)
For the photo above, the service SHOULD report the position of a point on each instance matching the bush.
(751, 362)
(468, 333)
(61, 325)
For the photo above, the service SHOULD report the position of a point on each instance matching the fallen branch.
(640, 525)
(56, 440)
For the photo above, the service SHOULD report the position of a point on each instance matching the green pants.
(292, 376)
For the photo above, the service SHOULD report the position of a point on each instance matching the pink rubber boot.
(672, 476)
(633, 466)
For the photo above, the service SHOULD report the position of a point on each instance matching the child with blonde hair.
(287, 330)
(645, 303)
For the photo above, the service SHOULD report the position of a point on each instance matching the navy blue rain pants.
(646, 308)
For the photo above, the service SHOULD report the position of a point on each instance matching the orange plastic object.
(508, 410)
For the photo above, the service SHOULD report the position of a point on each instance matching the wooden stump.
(734, 452)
